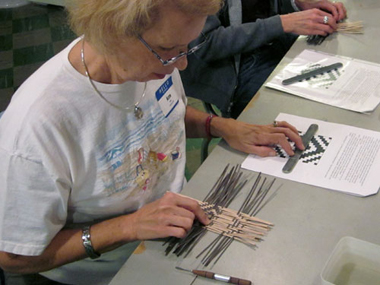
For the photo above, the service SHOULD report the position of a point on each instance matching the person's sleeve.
(33, 205)
(224, 42)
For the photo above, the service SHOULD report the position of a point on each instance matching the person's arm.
(225, 42)
(248, 138)
(310, 21)
(172, 215)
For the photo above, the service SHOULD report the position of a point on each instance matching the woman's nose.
(181, 64)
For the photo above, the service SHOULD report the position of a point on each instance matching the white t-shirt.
(69, 157)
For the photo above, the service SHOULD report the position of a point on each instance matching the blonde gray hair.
(106, 23)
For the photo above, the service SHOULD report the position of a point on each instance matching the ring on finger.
(325, 19)
(275, 124)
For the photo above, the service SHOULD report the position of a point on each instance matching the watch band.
(86, 239)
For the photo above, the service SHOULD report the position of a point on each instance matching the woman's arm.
(249, 138)
(172, 215)
(225, 42)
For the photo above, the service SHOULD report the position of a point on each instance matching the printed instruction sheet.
(355, 86)
(339, 157)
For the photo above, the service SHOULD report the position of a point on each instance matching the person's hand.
(171, 215)
(336, 9)
(309, 22)
(258, 139)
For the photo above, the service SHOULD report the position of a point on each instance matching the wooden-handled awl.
(212, 275)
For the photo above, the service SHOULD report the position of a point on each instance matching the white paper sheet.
(341, 158)
(355, 86)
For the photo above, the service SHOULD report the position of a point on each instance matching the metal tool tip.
(180, 268)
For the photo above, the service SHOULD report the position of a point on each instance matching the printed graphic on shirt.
(152, 162)
(144, 151)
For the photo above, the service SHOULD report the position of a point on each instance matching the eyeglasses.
(181, 55)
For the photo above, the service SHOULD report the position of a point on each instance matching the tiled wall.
(29, 35)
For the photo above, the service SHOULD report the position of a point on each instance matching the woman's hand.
(249, 138)
(257, 139)
(308, 22)
(171, 215)
(336, 9)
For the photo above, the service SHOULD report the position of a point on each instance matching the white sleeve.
(33, 207)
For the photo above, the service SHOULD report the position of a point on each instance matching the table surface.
(309, 221)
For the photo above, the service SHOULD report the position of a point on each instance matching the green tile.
(195, 144)
(34, 54)
(192, 144)
(31, 23)
(60, 33)
(195, 103)
(213, 144)
(30, 39)
(28, 11)
(5, 97)
(6, 42)
(192, 163)
(5, 15)
(193, 154)
(188, 175)
(57, 17)
(6, 27)
(6, 78)
(6, 59)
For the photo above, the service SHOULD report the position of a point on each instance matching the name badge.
(166, 97)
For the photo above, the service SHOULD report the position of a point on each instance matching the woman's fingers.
(309, 22)
(260, 139)
(290, 132)
(171, 215)
(192, 206)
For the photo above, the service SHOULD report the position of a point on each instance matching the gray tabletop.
(309, 221)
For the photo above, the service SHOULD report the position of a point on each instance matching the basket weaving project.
(239, 225)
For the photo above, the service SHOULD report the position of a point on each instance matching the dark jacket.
(212, 71)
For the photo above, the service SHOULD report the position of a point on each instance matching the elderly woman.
(96, 137)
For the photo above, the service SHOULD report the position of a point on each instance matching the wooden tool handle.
(211, 275)
(239, 281)
(204, 273)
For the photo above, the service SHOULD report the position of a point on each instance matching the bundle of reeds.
(351, 27)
